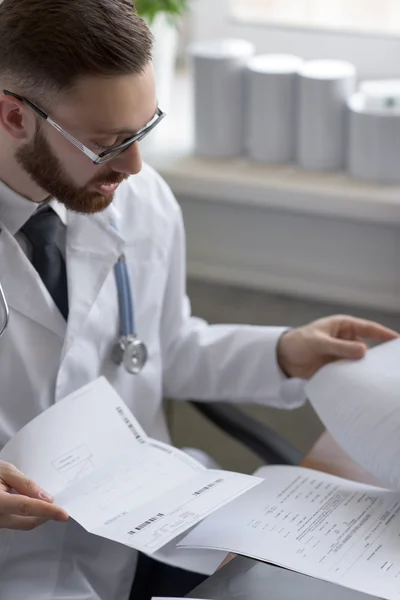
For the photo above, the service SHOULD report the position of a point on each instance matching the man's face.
(99, 112)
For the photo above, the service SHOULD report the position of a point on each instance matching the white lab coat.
(42, 360)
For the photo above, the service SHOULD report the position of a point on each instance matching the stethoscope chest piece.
(131, 352)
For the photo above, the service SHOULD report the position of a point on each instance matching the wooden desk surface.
(326, 455)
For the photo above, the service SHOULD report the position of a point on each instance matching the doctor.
(77, 93)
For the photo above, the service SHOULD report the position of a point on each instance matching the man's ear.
(15, 118)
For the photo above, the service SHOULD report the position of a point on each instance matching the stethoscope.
(129, 350)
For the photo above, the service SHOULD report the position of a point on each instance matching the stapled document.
(313, 523)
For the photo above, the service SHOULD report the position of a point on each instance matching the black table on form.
(246, 579)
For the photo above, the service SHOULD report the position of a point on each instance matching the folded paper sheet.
(359, 404)
(99, 465)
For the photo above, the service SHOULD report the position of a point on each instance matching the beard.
(45, 169)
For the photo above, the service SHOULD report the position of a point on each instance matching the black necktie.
(43, 230)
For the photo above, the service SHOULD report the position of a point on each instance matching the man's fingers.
(15, 504)
(369, 330)
(20, 523)
(19, 482)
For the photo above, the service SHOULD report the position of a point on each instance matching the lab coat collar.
(93, 248)
(24, 290)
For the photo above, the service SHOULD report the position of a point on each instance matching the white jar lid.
(222, 49)
(381, 94)
(275, 63)
(327, 69)
(360, 103)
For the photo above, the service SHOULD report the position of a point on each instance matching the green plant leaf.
(149, 9)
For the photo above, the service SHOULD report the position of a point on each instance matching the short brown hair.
(47, 45)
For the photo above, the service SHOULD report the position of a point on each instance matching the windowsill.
(240, 182)
(376, 29)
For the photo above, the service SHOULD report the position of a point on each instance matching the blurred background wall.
(277, 244)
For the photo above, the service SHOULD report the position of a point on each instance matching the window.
(363, 32)
(361, 16)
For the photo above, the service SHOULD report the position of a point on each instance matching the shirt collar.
(15, 210)
(60, 209)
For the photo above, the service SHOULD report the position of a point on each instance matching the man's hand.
(23, 504)
(303, 351)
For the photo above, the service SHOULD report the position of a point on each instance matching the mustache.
(111, 179)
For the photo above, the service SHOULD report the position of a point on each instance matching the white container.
(219, 91)
(271, 107)
(325, 87)
(381, 94)
(374, 140)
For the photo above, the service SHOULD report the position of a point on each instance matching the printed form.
(317, 524)
(91, 454)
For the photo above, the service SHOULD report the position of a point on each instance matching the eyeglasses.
(106, 155)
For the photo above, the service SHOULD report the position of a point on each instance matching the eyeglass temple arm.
(38, 110)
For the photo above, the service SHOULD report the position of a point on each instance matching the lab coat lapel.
(93, 248)
(24, 289)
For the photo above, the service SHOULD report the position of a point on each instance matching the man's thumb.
(15, 480)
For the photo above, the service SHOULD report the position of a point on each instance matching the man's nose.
(129, 162)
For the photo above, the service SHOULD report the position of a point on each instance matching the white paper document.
(91, 454)
(359, 404)
(323, 526)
